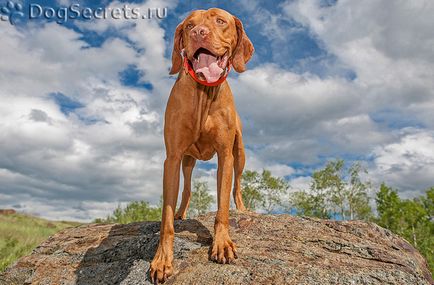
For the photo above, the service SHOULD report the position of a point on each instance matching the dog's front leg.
(161, 266)
(223, 249)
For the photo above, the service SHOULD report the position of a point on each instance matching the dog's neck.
(204, 97)
(211, 91)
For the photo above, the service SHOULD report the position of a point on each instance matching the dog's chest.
(203, 147)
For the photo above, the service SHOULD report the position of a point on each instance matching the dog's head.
(211, 39)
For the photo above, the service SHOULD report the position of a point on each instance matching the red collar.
(193, 75)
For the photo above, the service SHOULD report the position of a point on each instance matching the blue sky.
(83, 101)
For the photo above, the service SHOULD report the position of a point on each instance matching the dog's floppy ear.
(178, 45)
(244, 49)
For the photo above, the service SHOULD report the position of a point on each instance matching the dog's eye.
(220, 21)
(189, 26)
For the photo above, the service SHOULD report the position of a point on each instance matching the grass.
(20, 234)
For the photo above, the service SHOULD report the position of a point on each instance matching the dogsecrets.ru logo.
(13, 12)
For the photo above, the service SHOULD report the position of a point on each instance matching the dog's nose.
(200, 32)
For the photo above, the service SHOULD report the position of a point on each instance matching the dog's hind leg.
(239, 162)
(188, 163)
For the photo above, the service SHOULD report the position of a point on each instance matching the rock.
(273, 249)
(7, 211)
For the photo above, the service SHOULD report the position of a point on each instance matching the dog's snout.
(200, 32)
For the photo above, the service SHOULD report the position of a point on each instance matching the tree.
(201, 200)
(273, 189)
(428, 202)
(409, 218)
(388, 208)
(357, 194)
(262, 190)
(307, 204)
(136, 211)
(328, 190)
(425, 231)
(251, 193)
(335, 190)
(413, 216)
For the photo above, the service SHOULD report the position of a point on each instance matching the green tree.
(425, 232)
(308, 204)
(428, 202)
(135, 211)
(201, 200)
(263, 190)
(328, 190)
(273, 190)
(388, 208)
(357, 194)
(409, 218)
(335, 190)
(251, 193)
(412, 217)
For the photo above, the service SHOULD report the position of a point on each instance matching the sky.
(82, 101)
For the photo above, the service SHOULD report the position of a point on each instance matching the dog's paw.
(179, 216)
(242, 210)
(161, 267)
(223, 250)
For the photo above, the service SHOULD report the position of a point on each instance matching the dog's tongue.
(207, 65)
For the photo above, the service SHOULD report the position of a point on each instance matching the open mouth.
(209, 66)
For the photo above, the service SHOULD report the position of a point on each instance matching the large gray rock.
(273, 249)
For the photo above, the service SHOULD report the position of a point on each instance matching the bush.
(136, 211)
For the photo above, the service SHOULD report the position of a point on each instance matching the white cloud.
(388, 44)
(107, 151)
(408, 163)
(301, 183)
(148, 38)
(299, 117)
(255, 163)
(34, 66)
(64, 2)
(302, 117)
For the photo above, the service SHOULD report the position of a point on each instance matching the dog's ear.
(178, 45)
(244, 49)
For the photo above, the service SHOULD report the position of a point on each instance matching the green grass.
(20, 234)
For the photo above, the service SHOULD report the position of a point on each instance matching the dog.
(200, 121)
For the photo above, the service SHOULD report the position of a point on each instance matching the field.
(20, 234)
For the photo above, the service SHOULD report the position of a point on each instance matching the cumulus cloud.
(408, 163)
(390, 52)
(147, 37)
(299, 117)
(108, 147)
(304, 117)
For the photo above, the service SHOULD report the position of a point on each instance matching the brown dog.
(201, 120)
